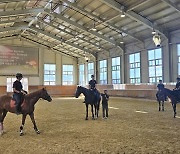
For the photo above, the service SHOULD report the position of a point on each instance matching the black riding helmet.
(19, 75)
(92, 76)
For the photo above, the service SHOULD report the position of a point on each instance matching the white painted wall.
(45, 56)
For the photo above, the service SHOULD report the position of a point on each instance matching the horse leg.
(1, 124)
(98, 109)
(3, 115)
(174, 108)
(22, 126)
(86, 112)
(162, 105)
(92, 112)
(95, 110)
(159, 105)
(34, 123)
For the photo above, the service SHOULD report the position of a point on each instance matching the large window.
(10, 82)
(90, 70)
(155, 65)
(67, 75)
(178, 53)
(103, 71)
(81, 74)
(134, 62)
(49, 74)
(116, 70)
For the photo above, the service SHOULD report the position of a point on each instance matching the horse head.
(44, 95)
(78, 91)
(161, 95)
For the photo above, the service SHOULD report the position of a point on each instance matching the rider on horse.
(92, 85)
(177, 89)
(177, 84)
(18, 92)
(160, 87)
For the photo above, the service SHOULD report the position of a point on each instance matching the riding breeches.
(17, 98)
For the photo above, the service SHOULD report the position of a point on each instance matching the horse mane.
(33, 94)
(168, 91)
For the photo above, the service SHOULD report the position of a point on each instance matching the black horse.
(160, 98)
(92, 98)
(174, 96)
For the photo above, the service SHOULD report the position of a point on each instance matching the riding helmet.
(92, 76)
(19, 75)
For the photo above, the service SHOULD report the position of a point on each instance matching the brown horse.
(8, 105)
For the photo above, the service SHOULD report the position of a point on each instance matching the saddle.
(13, 102)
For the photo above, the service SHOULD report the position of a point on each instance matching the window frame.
(10, 81)
(50, 74)
(116, 69)
(153, 65)
(103, 72)
(91, 70)
(135, 68)
(82, 75)
(68, 73)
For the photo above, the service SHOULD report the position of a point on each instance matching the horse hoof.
(21, 134)
(86, 118)
(38, 132)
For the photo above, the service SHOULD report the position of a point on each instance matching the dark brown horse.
(174, 96)
(8, 105)
(161, 99)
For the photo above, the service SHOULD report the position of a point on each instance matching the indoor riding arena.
(89, 76)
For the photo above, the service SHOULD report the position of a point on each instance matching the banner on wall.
(19, 59)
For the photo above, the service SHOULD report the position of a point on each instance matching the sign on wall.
(19, 59)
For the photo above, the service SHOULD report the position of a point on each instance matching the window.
(178, 53)
(49, 74)
(155, 65)
(103, 71)
(90, 70)
(81, 74)
(10, 82)
(134, 62)
(67, 75)
(116, 74)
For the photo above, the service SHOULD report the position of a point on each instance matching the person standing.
(105, 99)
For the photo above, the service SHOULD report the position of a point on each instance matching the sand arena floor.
(64, 130)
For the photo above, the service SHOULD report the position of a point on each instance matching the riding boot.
(18, 109)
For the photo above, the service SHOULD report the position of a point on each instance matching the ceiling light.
(86, 59)
(121, 39)
(153, 32)
(123, 15)
(157, 40)
(37, 26)
(94, 27)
